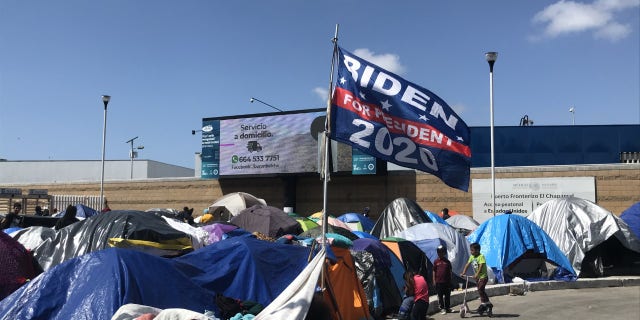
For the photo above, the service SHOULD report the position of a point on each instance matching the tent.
(243, 268)
(344, 287)
(631, 216)
(399, 215)
(230, 205)
(305, 223)
(137, 230)
(383, 293)
(515, 246)
(82, 212)
(590, 236)
(16, 263)
(412, 258)
(428, 236)
(267, 220)
(317, 232)
(463, 223)
(357, 221)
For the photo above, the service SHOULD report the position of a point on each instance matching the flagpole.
(327, 144)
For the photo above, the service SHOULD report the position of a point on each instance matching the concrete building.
(65, 171)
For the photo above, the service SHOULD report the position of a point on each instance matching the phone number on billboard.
(236, 159)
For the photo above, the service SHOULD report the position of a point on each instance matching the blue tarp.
(82, 212)
(631, 217)
(506, 238)
(435, 218)
(95, 285)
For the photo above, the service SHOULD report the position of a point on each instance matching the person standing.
(68, 218)
(442, 274)
(479, 263)
(11, 218)
(421, 298)
(106, 207)
(445, 214)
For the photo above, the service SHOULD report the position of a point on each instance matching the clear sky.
(168, 64)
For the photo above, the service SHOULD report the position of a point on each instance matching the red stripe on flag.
(420, 133)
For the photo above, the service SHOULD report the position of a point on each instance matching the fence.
(61, 202)
(630, 157)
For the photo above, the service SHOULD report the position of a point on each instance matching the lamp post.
(132, 154)
(491, 59)
(105, 101)
(573, 115)
(266, 104)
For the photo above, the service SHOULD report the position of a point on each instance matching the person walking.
(442, 275)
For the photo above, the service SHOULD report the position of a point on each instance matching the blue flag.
(395, 120)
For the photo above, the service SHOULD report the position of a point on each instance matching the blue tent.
(631, 217)
(515, 246)
(82, 212)
(95, 285)
(366, 223)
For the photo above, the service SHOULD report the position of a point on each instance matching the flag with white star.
(395, 120)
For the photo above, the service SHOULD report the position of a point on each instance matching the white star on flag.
(386, 105)
(343, 80)
(362, 95)
(459, 138)
(423, 117)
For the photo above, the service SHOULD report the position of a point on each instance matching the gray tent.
(399, 215)
(596, 241)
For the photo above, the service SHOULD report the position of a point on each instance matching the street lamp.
(491, 59)
(105, 101)
(266, 104)
(573, 115)
(133, 154)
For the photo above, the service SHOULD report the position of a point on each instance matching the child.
(442, 279)
(479, 263)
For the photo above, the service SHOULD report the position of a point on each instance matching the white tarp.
(293, 303)
(236, 202)
(461, 221)
(577, 226)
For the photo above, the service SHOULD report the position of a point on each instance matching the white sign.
(523, 195)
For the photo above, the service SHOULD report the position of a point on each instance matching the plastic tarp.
(428, 236)
(354, 218)
(95, 285)
(631, 216)
(32, 237)
(435, 218)
(294, 301)
(399, 215)
(235, 202)
(463, 223)
(82, 212)
(578, 226)
(246, 268)
(93, 234)
(267, 220)
(506, 238)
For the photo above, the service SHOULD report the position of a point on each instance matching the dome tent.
(589, 235)
(515, 246)
(400, 214)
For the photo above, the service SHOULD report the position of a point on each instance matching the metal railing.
(61, 202)
(629, 157)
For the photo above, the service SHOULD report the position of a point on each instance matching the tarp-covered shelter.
(412, 258)
(435, 218)
(383, 294)
(230, 205)
(317, 232)
(267, 220)
(242, 268)
(82, 212)
(139, 230)
(516, 247)
(631, 216)
(596, 241)
(428, 236)
(463, 223)
(16, 264)
(399, 215)
(345, 289)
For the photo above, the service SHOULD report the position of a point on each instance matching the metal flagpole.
(327, 145)
(491, 59)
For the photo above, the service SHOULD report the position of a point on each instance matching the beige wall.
(617, 188)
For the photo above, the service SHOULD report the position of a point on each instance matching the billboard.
(271, 143)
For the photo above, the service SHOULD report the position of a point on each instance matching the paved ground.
(588, 303)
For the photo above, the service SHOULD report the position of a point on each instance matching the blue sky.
(168, 64)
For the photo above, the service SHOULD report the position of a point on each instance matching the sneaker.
(443, 311)
(450, 311)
